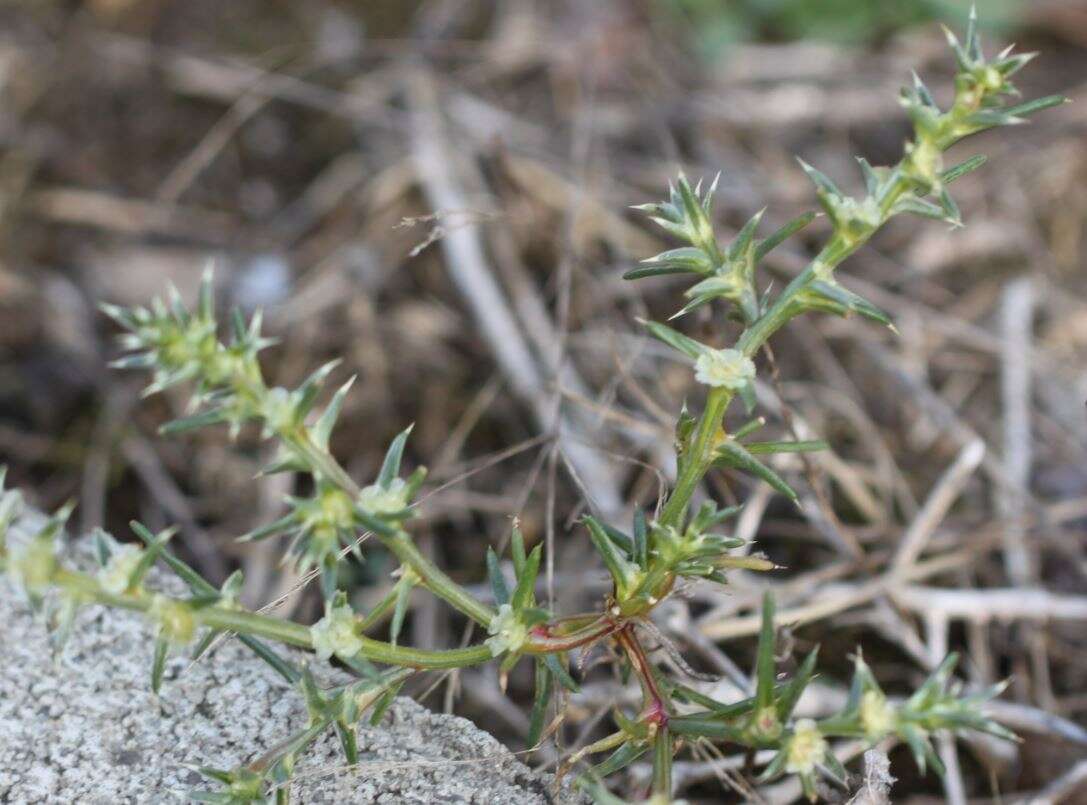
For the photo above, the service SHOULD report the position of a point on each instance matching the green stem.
(322, 461)
(399, 543)
(436, 580)
(655, 703)
(381, 651)
(698, 458)
(546, 644)
(379, 611)
(243, 622)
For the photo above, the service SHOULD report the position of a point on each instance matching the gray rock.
(87, 729)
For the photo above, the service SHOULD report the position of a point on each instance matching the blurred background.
(439, 192)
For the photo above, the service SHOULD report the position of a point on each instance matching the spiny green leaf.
(329, 575)
(322, 429)
(620, 569)
(102, 544)
(795, 687)
(694, 304)
(205, 643)
(544, 687)
(702, 726)
(239, 330)
(205, 418)
(61, 623)
(390, 467)
(523, 595)
(142, 360)
(158, 664)
(963, 168)
(517, 549)
(621, 758)
(922, 91)
(1008, 65)
(698, 225)
(822, 182)
(764, 247)
(922, 207)
(311, 386)
(382, 705)
(871, 180)
(1037, 105)
(732, 454)
(763, 448)
(403, 598)
(123, 316)
(765, 671)
(747, 396)
(950, 208)
(556, 664)
(775, 767)
(271, 529)
(746, 235)
(688, 346)
(205, 304)
(749, 427)
(840, 295)
(655, 271)
(919, 746)
(684, 260)
(934, 685)
(498, 582)
(315, 702)
(973, 41)
(641, 542)
(374, 523)
(625, 543)
(988, 118)
(348, 743)
(155, 545)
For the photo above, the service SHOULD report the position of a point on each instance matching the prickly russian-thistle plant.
(645, 563)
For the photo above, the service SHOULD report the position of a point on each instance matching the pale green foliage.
(645, 564)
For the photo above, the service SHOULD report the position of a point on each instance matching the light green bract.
(724, 368)
(507, 630)
(118, 570)
(377, 499)
(335, 634)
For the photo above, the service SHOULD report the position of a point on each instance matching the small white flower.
(806, 748)
(335, 634)
(118, 570)
(877, 715)
(509, 634)
(376, 499)
(728, 368)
